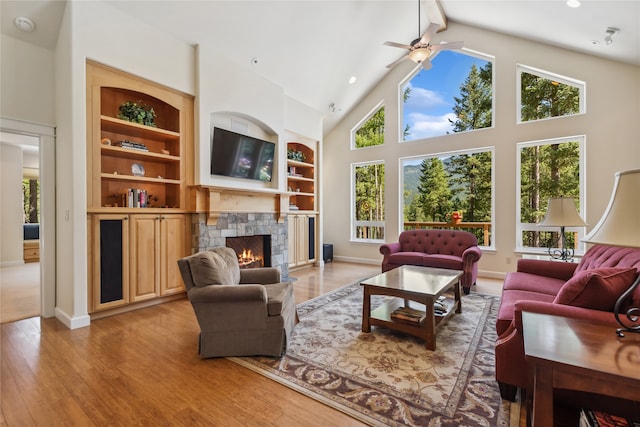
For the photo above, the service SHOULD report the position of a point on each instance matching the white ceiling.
(312, 48)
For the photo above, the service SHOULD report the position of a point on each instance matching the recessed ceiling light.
(352, 80)
(573, 3)
(24, 24)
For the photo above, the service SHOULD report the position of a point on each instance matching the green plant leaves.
(137, 112)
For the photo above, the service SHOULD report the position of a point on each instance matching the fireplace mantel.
(218, 200)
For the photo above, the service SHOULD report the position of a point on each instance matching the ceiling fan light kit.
(419, 55)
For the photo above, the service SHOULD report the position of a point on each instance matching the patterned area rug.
(389, 378)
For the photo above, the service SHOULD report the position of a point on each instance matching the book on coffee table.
(408, 314)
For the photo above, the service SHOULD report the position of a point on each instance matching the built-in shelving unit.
(302, 193)
(301, 177)
(136, 191)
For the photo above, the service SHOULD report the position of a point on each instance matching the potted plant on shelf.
(296, 155)
(137, 112)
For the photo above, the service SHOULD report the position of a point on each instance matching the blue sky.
(431, 102)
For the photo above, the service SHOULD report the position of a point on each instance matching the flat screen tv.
(241, 156)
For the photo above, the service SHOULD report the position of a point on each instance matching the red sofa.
(587, 290)
(450, 249)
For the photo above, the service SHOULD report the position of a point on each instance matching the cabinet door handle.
(125, 218)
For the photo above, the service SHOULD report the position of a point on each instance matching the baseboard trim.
(357, 260)
(72, 322)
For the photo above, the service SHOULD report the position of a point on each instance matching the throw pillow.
(209, 268)
(597, 289)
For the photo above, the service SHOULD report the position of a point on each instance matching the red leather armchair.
(450, 249)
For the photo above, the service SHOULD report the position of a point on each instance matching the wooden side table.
(579, 355)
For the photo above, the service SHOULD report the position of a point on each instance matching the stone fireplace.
(232, 225)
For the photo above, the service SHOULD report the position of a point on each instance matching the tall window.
(544, 95)
(455, 95)
(550, 168)
(31, 200)
(451, 191)
(370, 132)
(368, 201)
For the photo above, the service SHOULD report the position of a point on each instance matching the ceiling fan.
(421, 48)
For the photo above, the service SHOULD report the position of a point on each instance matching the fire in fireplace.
(252, 251)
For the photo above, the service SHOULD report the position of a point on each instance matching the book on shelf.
(408, 314)
(132, 145)
(136, 198)
(594, 418)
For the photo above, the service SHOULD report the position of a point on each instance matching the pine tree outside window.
(543, 95)
(367, 202)
(549, 168)
(370, 132)
(455, 95)
(436, 186)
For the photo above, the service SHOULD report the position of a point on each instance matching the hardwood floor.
(143, 368)
(19, 292)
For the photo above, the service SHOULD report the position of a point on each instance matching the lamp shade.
(420, 54)
(620, 224)
(561, 212)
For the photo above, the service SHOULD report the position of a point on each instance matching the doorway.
(26, 281)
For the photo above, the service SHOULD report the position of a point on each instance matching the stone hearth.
(242, 224)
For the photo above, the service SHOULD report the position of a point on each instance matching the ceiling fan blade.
(397, 61)
(447, 46)
(400, 45)
(426, 64)
(431, 30)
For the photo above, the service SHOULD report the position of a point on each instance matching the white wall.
(27, 89)
(27, 81)
(11, 250)
(611, 127)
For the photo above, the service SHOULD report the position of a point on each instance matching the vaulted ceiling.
(312, 48)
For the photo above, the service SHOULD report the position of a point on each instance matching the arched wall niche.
(250, 126)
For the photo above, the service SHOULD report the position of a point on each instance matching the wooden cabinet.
(157, 242)
(31, 250)
(137, 182)
(135, 258)
(302, 239)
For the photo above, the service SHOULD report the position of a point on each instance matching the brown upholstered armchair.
(246, 312)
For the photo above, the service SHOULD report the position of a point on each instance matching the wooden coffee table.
(417, 288)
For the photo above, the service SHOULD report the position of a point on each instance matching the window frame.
(418, 68)
(522, 227)
(491, 149)
(581, 85)
(354, 224)
(368, 116)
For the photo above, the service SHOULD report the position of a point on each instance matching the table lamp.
(620, 226)
(561, 212)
